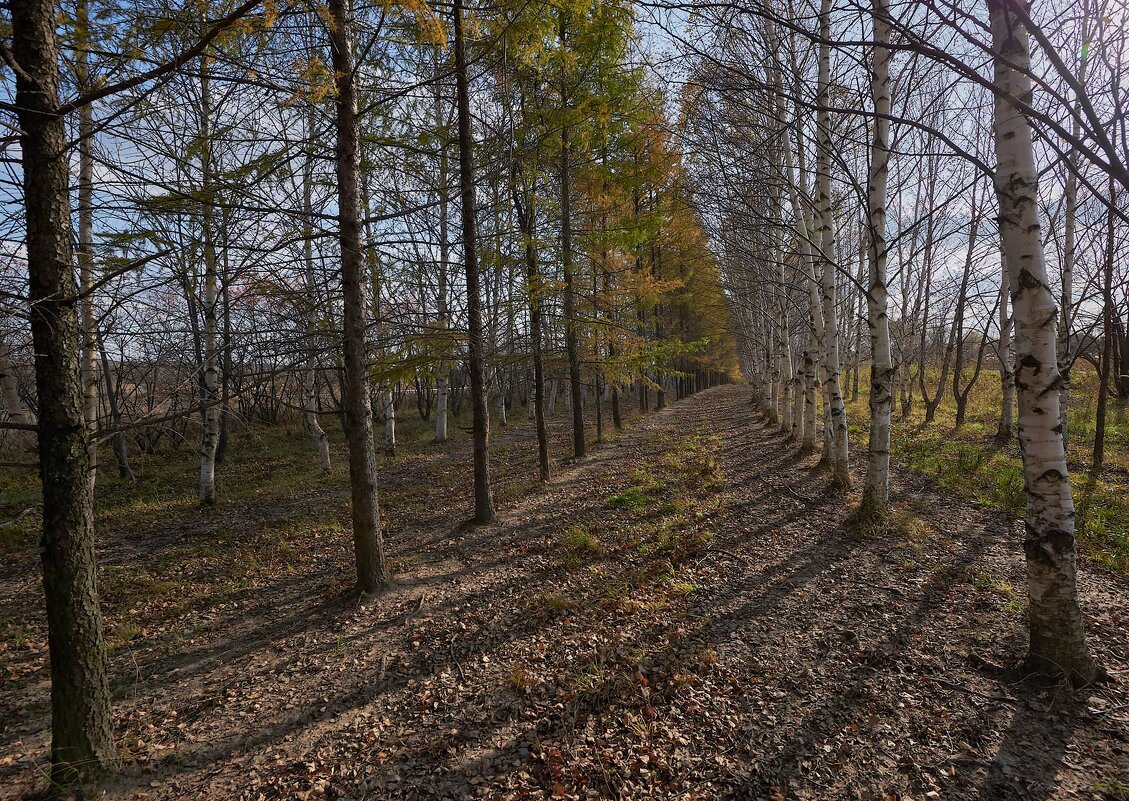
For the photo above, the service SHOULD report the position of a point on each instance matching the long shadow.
(1027, 761)
(770, 775)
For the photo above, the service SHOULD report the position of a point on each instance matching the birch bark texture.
(210, 375)
(875, 504)
(1057, 635)
(833, 392)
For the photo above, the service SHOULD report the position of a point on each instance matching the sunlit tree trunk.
(572, 344)
(87, 315)
(840, 466)
(389, 404)
(82, 743)
(535, 291)
(1057, 634)
(483, 501)
(875, 503)
(811, 387)
(210, 373)
(368, 541)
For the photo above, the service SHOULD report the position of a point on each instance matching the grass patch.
(579, 540)
(967, 461)
(548, 605)
(633, 499)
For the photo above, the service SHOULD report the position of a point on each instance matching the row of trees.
(225, 209)
(857, 147)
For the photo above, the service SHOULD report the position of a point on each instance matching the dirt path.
(681, 615)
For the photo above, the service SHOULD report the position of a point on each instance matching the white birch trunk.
(836, 410)
(209, 394)
(441, 408)
(797, 433)
(500, 383)
(88, 319)
(810, 382)
(389, 405)
(1057, 634)
(875, 504)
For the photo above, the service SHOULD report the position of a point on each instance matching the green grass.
(579, 540)
(967, 461)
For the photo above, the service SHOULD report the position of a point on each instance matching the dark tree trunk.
(368, 541)
(572, 345)
(526, 215)
(1106, 363)
(483, 502)
(82, 745)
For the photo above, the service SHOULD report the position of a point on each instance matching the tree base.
(870, 518)
(1046, 670)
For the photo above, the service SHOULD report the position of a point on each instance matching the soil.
(682, 614)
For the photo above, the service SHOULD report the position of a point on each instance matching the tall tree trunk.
(223, 440)
(1108, 334)
(483, 501)
(87, 315)
(368, 540)
(572, 345)
(309, 369)
(442, 313)
(82, 745)
(389, 404)
(875, 503)
(1058, 638)
(1070, 248)
(958, 338)
(535, 291)
(811, 385)
(840, 464)
(209, 378)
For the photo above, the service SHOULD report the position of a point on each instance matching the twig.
(963, 688)
(15, 520)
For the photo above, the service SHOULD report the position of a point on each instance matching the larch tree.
(368, 539)
(82, 744)
(483, 498)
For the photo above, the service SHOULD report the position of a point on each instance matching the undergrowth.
(968, 462)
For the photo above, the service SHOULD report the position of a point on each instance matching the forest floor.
(682, 614)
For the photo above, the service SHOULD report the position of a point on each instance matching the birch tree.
(875, 504)
(1057, 634)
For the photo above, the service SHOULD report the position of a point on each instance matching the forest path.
(679, 615)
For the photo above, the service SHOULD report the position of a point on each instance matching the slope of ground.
(680, 615)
